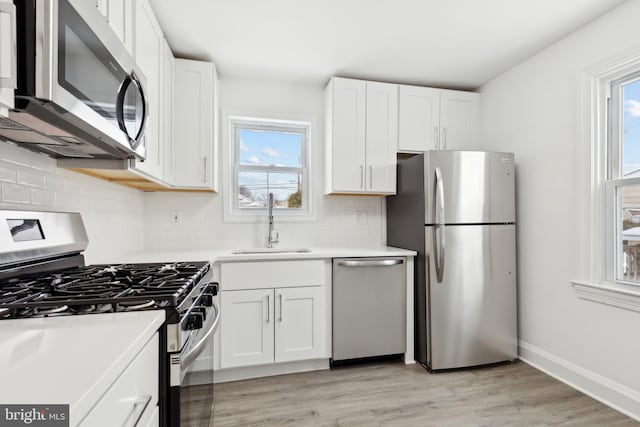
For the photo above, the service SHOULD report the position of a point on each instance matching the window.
(622, 189)
(608, 183)
(270, 156)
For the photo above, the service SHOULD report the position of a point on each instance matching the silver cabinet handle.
(11, 81)
(370, 176)
(139, 406)
(361, 176)
(281, 311)
(370, 263)
(439, 246)
(204, 169)
(436, 139)
(444, 138)
(268, 309)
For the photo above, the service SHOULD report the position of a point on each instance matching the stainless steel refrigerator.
(457, 210)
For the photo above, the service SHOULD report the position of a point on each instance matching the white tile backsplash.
(202, 225)
(113, 214)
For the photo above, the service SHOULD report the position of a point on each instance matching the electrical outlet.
(361, 217)
(175, 217)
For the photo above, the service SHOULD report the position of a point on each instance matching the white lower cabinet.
(133, 398)
(272, 326)
(247, 328)
(299, 323)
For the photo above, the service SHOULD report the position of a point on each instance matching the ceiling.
(455, 43)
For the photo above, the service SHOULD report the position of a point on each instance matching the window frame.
(594, 190)
(615, 181)
(238, 123)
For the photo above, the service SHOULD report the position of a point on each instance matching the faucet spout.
(271, 238)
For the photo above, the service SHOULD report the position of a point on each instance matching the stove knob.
(196, 320)
(200, 309)
(206, 300)
(213, 288)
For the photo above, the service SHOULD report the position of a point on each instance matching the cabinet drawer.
(133, 395)
(272, 274)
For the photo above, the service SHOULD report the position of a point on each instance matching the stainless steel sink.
(270, 251)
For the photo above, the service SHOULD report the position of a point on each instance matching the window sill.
(614, 294)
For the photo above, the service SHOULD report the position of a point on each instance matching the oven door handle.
(187, 359)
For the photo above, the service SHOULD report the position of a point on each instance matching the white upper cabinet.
(432, 119)
(362, 136)
(195, 122)
(7, 55)
(119, 14)
(419, 120)
(382, 137)
(458, 119)
(346, 121)
(148, 48)
(168, 63)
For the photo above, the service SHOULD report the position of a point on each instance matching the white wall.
(532, 110)
(113, 214)
(203, 224)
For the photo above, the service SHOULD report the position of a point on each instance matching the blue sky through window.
(631, 127)
(270, 148)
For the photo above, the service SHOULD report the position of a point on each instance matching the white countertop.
(225, 255)
(61, 360)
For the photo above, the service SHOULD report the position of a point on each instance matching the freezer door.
(476, 187)
(472, 310)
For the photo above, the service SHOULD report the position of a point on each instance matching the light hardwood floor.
(392, 394)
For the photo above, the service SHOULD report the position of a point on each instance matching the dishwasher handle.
(370, 263)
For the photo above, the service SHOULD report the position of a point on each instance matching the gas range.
(103, 288)
(43, 274)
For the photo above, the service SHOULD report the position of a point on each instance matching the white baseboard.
(605, 390)
(236, 374)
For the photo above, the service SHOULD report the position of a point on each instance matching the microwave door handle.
(145, 111)
(124, 86)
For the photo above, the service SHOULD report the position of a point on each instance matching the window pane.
(630, 217)
(254, 189)
(267, 148)
(631, 129)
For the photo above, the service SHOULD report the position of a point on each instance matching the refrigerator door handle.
(438, 207)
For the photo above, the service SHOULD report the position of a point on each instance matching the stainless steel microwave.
(79, 92)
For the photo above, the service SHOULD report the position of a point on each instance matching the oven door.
(83, 67)
(196, 374)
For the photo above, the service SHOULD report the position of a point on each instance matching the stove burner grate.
(100, 289)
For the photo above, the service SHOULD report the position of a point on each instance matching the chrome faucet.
(271, 239)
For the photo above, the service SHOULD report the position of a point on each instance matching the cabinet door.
(381, 137)
(148, 56)
(103, 7)
(120, 17)
(246, 328)
(419, 118)
(133, 395)
(167, 106)
(348, 117)
(300, 324)
(7, 55)
(458, 119)
(194, 123)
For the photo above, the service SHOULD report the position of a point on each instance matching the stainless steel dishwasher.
(369, 307)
